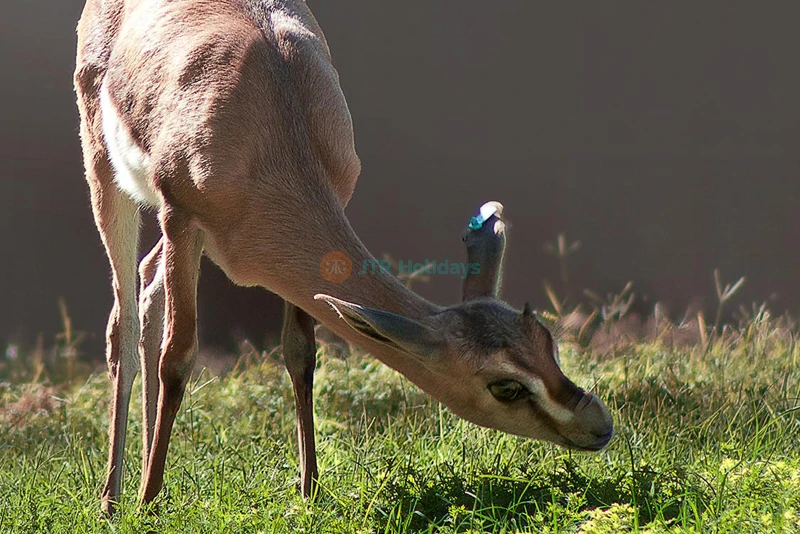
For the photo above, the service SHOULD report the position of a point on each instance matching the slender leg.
(151, 317)
(117, 218)
(182, 248)
(300, 355)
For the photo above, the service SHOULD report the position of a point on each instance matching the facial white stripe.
(536, 387)
(552, 408)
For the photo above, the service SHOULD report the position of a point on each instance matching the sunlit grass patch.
(707, 441)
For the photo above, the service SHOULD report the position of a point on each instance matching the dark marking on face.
(486, 326)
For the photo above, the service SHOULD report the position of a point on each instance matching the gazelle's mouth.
(599, 445)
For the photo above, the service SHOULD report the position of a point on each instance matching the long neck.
(315, 260)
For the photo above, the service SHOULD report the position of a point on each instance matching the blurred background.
(663, 136)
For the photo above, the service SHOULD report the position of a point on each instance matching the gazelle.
(226, 118)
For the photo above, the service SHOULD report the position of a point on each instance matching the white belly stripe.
(132, 166)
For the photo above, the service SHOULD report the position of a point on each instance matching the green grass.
(708, 440)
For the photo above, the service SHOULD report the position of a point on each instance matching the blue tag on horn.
(486, 211)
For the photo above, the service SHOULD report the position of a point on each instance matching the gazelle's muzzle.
(592, 427)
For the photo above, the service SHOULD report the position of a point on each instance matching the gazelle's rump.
(132, 168)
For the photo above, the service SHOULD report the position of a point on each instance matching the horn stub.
(485, 241)
(527, 311)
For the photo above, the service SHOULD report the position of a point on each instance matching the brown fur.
(239, 108)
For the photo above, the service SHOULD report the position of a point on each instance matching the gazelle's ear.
(388, 328)
(486, 242)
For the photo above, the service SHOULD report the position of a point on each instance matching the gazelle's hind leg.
(117, 218)
(300, 355)
(182, 246)
(151, 317)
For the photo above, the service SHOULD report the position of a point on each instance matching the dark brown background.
(663, 135)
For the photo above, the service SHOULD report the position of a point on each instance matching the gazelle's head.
(498, 367)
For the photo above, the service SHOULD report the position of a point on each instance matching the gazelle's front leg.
(182, 248)
(300, 355)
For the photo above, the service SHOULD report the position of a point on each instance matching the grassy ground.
(707, 441)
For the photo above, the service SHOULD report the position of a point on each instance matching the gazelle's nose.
(596, 419)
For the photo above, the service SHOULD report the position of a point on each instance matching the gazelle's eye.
(508, 390)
